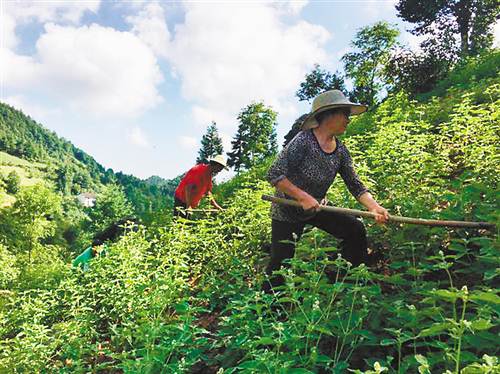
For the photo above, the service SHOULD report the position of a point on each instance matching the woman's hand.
(381, 214)
(309, 203)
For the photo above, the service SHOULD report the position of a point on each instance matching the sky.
(136, 83)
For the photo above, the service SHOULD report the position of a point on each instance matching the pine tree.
(211, 144)
(319, 81)
(255, 138)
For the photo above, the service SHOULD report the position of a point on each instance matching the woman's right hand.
(309, 203)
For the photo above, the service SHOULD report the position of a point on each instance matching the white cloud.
(137, 137)
(98, 70)
(376, 8)
(293, 7)
(35, 111)
(188, 142)
(21, 12)
(150, 26)
(228, 56)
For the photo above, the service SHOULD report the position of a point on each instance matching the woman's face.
(338, 122)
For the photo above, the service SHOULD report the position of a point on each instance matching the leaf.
(323, 358)
(422, 360)
(299, 371)
(446, 294)
(286, 300)
(384, 342)
(323, 330)
(481, 324)
(489, 297)
(266, 340)
(253, 364)
(436, 329)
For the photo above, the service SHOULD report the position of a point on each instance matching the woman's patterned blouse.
(313, 170)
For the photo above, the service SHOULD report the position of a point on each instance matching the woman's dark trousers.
(349, 230)
(180, 208)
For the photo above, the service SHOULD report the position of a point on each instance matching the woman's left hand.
(381, 214)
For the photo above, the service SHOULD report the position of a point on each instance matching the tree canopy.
(211, 144)
(365, 65)
(318, 81)
(470, 20)
(255, 138)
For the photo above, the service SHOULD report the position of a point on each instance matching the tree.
(12, 183)
(365, 66)
(211, 144)
(470, 21)
(415, 72)
(255, 138)
(111, 205)
(318, 81)
(34, 216)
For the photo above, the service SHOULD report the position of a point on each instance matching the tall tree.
(416, 72)
(34, 216)
(365, 66)
(255, 138)
(211, 144)
(470, 20)
(318, 81)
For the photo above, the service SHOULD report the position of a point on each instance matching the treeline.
(71, 170)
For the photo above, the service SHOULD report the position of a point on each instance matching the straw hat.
(220, 160)
(329, 100)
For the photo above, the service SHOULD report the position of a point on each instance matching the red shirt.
(201, 178)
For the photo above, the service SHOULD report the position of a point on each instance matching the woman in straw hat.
(197, 183)
(304, 171)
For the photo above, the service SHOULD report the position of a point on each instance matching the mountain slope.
(68, 167)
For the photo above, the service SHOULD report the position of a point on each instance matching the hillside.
(185, 297)
(70, 169)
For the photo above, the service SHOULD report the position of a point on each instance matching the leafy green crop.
(185, 296)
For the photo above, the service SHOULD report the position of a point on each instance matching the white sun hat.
(329, 100)
(221, 160)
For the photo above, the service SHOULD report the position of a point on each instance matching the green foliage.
(9, 272)
(184, 296)
(318, 81)
(255, 138)
(365, 66)
(446, 21)
(69, 168)
(12, 183)
(33, 218)
(468, 74)
(211, 145)
(415, 72)
(111, 205)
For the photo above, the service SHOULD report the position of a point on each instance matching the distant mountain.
(156, 181)
(71, 169)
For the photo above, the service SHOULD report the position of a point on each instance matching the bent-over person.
(197, 183)
(304, 171)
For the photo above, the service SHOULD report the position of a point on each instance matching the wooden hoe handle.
(362, 213)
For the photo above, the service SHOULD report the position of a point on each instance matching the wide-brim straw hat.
(329, 100)
(221, 160)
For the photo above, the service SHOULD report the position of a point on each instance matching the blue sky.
(136, 83)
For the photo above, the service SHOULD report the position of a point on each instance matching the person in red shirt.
(197, 183)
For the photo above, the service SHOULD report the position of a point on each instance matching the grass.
(30, 172)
